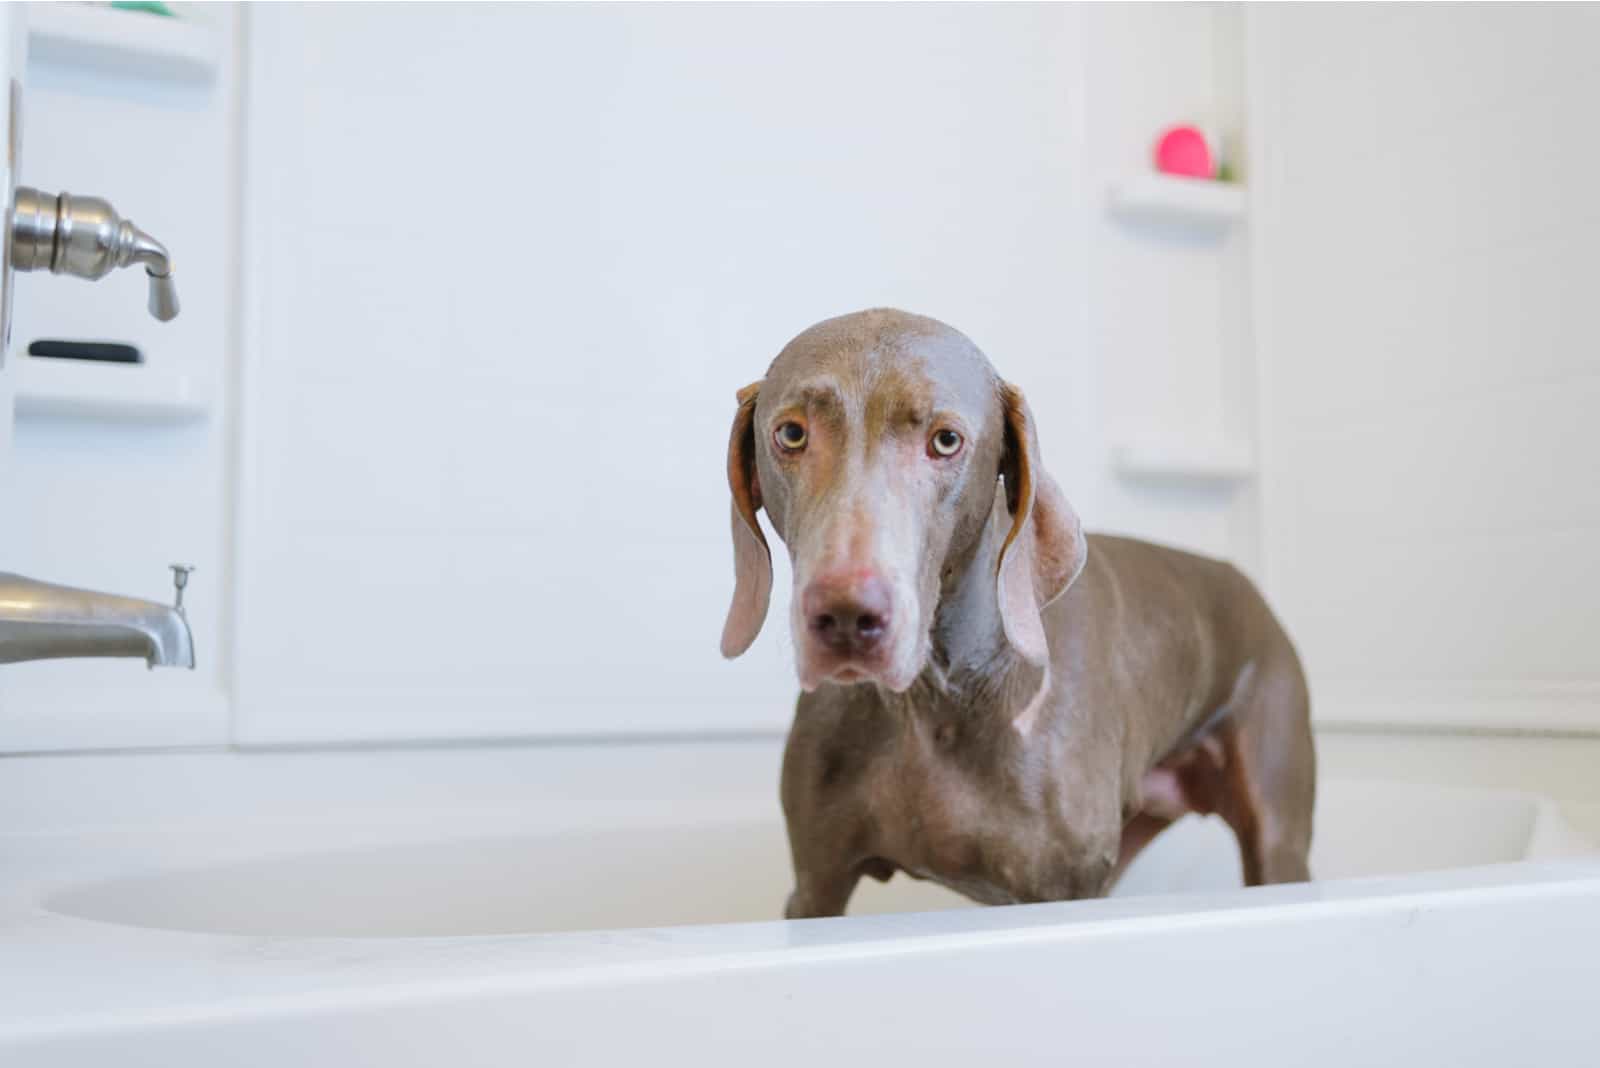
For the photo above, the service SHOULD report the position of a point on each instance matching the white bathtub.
(520, 907)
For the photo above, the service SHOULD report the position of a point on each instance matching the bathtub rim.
(204, 977)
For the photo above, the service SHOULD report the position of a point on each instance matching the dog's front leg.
(824, 893)
(1091, 867)
(1085, 836)
(825, 848)
(827, 864)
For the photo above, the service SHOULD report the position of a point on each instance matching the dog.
(991, 699)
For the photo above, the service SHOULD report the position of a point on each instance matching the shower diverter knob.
(85, 237)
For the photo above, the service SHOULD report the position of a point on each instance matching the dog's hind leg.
(1270, 773)
(1255, 768)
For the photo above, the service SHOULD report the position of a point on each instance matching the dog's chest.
(945, 806)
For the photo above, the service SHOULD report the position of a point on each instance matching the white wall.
(507, 270)
(674, 192)
(1429, 370)
(683, 189)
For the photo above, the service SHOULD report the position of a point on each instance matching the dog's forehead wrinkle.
(820, 392)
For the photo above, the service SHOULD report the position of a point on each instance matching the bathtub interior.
(733, 868)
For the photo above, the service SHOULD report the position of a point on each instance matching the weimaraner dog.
(991, 699)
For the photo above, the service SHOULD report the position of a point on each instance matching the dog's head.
(884, 448)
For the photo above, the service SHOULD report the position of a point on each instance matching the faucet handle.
(86, 238)
(163, 296)
(180, 579)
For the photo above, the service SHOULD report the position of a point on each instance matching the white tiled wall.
(1429, 368)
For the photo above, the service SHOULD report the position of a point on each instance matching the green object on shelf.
(149, 7)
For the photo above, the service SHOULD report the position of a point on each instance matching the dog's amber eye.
(945, 443)
(791, 437)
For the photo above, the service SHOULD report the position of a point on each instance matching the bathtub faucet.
(41, 621)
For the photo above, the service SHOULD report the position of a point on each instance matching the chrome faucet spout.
(43, 621)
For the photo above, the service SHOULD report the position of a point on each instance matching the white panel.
(96, 499)
(13, 53)
(1166, 299)
(511, 268)
(1429, 368)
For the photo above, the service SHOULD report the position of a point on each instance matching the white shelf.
(109, 392)
(130, 43)
(1161, 198)
(1156, 461)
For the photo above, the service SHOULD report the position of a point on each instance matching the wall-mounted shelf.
(121, 393)
(1157, 461)
(130, 43)
(1193, 202)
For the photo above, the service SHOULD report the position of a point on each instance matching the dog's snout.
(849, 617)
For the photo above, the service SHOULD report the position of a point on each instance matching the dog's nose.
(848, 617)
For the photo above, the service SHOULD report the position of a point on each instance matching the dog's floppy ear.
(1045, 548)
(752, 560)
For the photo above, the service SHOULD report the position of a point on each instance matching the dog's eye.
(791, 437)
(945, 443)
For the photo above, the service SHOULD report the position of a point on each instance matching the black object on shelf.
(98, 351)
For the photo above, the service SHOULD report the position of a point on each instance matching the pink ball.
(1182, 150)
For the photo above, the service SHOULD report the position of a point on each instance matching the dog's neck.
(971, 663)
